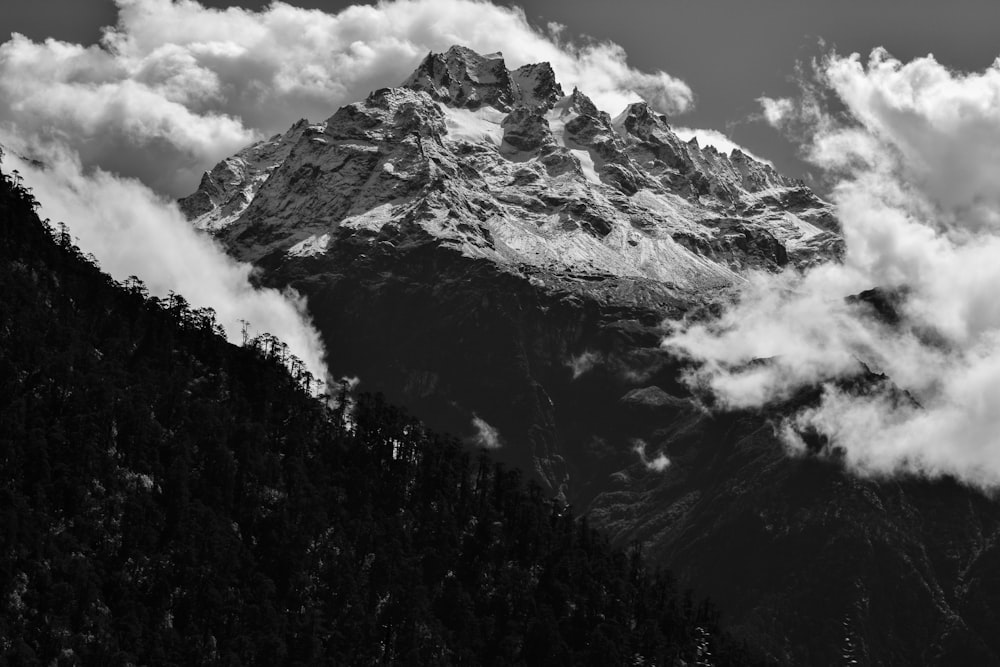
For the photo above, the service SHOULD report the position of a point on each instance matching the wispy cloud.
(485, 436)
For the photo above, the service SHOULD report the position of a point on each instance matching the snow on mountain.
(501, 165)
(227, 190)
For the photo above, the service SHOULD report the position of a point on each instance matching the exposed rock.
(884, 304)
(536, 85)
(461, 77)
(527, 129)
(653, 399)
(227, 190)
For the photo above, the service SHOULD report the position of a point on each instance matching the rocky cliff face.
(499, 256)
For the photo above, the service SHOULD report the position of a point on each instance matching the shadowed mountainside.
(168, 498)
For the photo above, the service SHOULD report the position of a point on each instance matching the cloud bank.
(914, 151)
(175, 87)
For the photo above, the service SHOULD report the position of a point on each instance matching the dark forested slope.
(168, 498)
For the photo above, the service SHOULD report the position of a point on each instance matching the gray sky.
(729, 51)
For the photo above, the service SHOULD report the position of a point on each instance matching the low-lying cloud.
(659, 463)
(485, 435)
(914, 153)
(584, 363)
(175, 87)
(133, 231)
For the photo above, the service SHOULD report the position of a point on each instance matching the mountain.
(502, 166)
(482, 183)
(168, 498)
(500, 256)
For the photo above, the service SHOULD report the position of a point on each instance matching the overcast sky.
(730, 52)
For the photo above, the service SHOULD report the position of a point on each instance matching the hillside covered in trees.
(169, 498)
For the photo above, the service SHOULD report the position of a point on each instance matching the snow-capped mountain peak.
(503, 166)
(462, 78)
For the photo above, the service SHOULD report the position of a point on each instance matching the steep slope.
(500, 257)
(167, 498)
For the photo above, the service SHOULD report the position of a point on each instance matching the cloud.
(175, 87)
(133, 231)
(658, 464)
(119, 119)
(717, 139)
(485, 436)
(584, 362)
(776, 110)
(914, 151)
(663, 92)
(940, 126)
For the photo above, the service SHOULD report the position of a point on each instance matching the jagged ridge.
(501, 165)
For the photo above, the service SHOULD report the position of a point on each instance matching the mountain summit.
(463, 78)
(502, 165)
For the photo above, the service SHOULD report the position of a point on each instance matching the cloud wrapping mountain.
(916, 157)
(133, 231)
(176, 86)
(716, 139)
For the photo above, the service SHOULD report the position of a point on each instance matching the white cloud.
(584, 362)
(942, 127)
(93, 102)
(917, 158)
(133, 231)
(485, 436)
(176, 86)
(663, 92)
(658, 464)
(776, 110)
